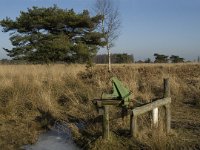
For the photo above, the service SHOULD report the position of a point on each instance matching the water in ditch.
(59, 138)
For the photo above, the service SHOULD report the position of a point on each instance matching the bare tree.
(110, 23)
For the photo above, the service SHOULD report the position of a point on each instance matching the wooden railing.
(104, 105)
(153, 106)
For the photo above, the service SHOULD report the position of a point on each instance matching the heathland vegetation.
(33, 97)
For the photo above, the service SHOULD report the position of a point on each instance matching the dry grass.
(32, 97)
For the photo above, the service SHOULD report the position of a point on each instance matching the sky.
(169, 27)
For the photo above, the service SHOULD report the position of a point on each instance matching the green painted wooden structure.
(120, 93)
(120, 96)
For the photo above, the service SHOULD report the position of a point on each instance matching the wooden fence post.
(133, 125)
(166, 88)
(106, 132)
(167, 107)
(155, 117)
(168, 118)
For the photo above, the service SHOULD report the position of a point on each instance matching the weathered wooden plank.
(148, 107)
(102, 102)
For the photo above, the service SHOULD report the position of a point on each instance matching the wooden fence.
(134, 113)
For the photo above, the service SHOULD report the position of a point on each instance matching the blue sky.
(148, 26)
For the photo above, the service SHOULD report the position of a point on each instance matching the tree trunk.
(109, 60)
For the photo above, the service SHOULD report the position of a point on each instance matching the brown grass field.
(33, 97)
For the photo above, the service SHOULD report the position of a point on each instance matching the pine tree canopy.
(53, 34)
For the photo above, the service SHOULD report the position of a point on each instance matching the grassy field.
(33, 97)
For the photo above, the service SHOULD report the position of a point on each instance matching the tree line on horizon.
(117, 58)
(126, 58)
(161, 58)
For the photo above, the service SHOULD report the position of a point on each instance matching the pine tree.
(160, 58)
(53, 34)
(176, 59)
